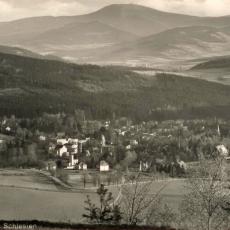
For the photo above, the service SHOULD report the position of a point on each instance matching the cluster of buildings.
(73, 151)
(69, 151)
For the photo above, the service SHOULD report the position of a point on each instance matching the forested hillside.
(218, 62)
(29, 87)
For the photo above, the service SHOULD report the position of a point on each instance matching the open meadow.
(26, 194)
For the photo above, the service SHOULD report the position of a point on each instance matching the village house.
(51, 166)
(61, 150)
(68, 141)
(222, 150)
(68, 149)
(182, 164)
(8, 129)
(104, 166)
(82, 166)
(42, 138)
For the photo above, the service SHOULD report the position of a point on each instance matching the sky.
(15, 9)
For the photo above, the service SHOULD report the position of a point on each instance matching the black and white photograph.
(115, 114)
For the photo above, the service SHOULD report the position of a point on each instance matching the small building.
(8, 129)
(222, 150)
(61, 150)
(182, 164)
(82, 166)
(51, 166)
(104, 166)
(42, 138)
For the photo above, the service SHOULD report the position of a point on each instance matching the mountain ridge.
(68, 37)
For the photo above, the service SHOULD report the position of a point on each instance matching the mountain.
(75, 37)
(139, 20)
(84, 38)
(175, 44)
(135, 19)
(29, 87)
(14, 32)
(144, 21)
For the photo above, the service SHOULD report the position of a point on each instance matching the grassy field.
(25, 179)
(28, 195)
(21, 204)
(172, 191)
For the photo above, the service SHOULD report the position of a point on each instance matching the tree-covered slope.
(218, 62)
(30, 86)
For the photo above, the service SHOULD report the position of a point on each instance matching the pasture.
(25, 179)
(171, 191)
(27, 195)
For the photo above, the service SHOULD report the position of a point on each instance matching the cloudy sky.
(14, 9)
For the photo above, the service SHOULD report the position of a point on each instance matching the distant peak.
(135, 8)
(130, 6)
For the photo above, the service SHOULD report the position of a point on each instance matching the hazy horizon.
(17, 9)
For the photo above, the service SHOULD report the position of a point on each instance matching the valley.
(118, 116)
